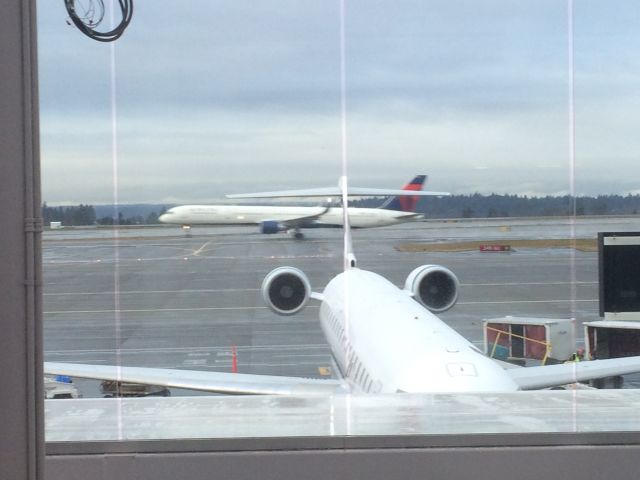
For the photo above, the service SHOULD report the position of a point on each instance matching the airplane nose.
(162, 218)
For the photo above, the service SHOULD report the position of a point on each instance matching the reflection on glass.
(516, 116)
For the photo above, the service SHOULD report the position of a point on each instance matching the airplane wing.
(296, 222)
(409, 216)
(218, 382)
(337, 191)
(530, 378)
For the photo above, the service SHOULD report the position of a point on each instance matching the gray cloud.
(222, 96)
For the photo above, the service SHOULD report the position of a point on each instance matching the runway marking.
(217, 349)
(198, 309)
(226, 290)
(506, 302)
(197, 252)
(266, 364)
(194, 362)
(181, 257)
(138, 292)
(300, 355)
(147, 310)
(522, 283)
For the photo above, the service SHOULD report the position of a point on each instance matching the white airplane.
(384, 339)
(275, 219)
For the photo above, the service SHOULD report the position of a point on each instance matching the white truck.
(59, 388)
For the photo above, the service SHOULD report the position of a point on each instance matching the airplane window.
(485, 144)
(360, 376)
(368, 389)
(356, 371)
(365, 379)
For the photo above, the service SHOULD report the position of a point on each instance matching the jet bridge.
(618, 335)
(619, 282)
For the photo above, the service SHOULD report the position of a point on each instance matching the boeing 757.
(384, 339)
(274, 219)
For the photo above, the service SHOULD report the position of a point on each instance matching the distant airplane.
(274, 219)
(384, 339)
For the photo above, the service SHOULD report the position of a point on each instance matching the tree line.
(487, 206)
(453, 206)
(77, 215)
(85, 215)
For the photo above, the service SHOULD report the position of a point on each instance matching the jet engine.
(271, 226)
(434, 286)
(286, 290)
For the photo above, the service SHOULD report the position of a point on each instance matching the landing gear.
(296, 233)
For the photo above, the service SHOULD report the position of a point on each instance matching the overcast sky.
(221, 96)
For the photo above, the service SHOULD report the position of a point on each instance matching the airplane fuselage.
(385, 342)
(254, 214)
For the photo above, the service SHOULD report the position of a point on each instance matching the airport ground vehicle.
(112, 388)
(59, 387)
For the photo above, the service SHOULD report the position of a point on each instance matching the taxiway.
(160, 298)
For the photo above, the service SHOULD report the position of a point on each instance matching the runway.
(158, 298)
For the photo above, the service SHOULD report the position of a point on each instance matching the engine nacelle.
(271, 226)
(433, 286)
(286, 290)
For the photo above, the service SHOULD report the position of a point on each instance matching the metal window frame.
(22, 449)
(22, 413)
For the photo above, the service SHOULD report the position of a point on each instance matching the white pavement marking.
(507, 302)
(144, 292)
(147, 310)
(199, 251)
(513, 284)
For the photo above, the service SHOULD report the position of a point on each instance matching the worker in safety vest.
(578, 356)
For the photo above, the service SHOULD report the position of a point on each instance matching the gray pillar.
(21, 389)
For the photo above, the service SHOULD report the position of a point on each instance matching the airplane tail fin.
(406, 203)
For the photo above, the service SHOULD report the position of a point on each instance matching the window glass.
(523, 112)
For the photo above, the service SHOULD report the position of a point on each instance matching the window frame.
(483, 456)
